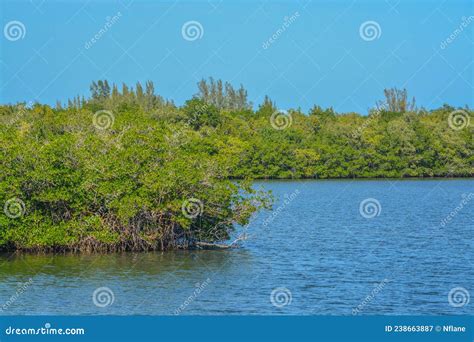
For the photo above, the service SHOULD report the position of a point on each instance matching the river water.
(328, 247)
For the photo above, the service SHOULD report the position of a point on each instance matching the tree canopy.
(128, 170)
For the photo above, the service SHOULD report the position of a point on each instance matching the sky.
(300, 53)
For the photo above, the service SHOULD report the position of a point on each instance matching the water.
(316, 252)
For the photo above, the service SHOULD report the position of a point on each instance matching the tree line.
(126, 169)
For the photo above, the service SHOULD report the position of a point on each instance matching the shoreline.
(360, 178)
(198, 245)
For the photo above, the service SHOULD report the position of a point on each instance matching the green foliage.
(124, 186)
(199, 113)
(223, 95)
(120, 188)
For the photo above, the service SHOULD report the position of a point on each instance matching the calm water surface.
(315, 244)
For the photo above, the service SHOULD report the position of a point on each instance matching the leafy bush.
(138, 184)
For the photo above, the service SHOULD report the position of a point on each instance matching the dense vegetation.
(128, 170)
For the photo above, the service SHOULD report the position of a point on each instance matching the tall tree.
(396, 100)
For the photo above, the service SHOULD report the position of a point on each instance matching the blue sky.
(320, 57)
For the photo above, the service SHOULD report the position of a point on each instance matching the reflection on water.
(315, 252)
(119, 264)
(140, 282)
